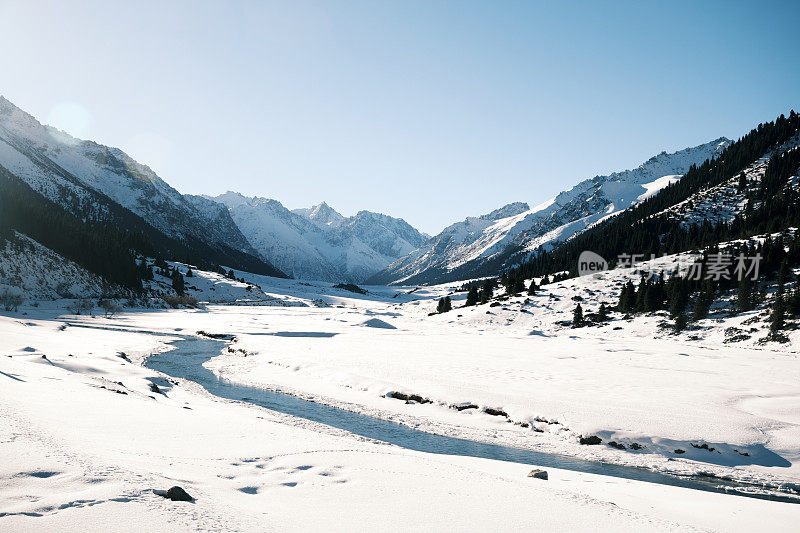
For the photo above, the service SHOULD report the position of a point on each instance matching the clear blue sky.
(430, 111)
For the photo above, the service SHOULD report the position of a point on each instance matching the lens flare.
(71, 117)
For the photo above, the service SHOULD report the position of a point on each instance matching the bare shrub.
(82, 306)
(178, 301)
(110, 307)
(10, 300)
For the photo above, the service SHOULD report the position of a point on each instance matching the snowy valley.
(440, 267)
(512, 374)
(275, 363)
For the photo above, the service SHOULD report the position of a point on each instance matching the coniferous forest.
(645, 230)
(106, 239)
(98, 248)
(641, 230)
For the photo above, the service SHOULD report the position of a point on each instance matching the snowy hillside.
(467, 248)
(318, 243)
(34, 272)
(726, 200)
(36, 275)
(93, 180)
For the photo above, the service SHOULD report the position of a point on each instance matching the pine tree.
(532, 288)
(678, 292)
(701, 306)
(189, 273)
(602, 313)
(504, 280)
(783, 276)
(742, 182)
(577, 316)
(177, 282)
(517, 285)
(488, 288)
(744, 296)
(448, 305)
(760, 295)
(483, 296)
(777, 320)
(472, 296)
(680, 322)
(639, 300)
(627, 297)
(144, 270)
(794, 301)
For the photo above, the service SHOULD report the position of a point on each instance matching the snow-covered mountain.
(480, 245)
(728, 199)
(93, 181)
(321, 214)
(319, 243)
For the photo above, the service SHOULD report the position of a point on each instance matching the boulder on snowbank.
(176, 494)
(538, 474)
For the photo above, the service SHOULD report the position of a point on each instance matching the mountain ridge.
(478, 245)
(318, 242)
(97, 182)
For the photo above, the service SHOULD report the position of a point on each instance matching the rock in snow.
(538, 474)
(176, 494)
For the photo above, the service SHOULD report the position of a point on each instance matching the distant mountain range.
(102, 195)
(480, 246)
(318, 242)
(104, 184)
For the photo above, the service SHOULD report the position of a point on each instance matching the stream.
(186, 362)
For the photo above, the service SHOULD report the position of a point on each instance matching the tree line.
(637, 230)
(98, 248)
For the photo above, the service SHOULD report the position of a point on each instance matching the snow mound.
(377, 323)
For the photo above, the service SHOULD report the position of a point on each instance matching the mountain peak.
(6, 105)
(508, 210)
(322, 214)
(231, 199)
(17, 119)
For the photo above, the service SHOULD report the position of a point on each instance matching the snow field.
(79, 451)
